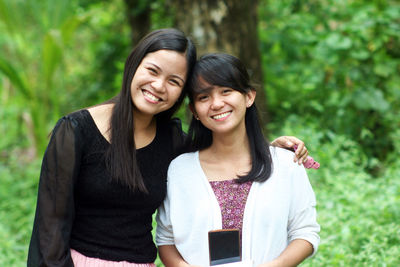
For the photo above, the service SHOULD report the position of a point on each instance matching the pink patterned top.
(232, 199)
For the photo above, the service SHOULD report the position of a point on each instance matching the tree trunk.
(139, 17)
(228, 26)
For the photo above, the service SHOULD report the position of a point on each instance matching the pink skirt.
(83, 261)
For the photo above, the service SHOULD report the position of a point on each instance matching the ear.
(250, 97)
(193, 111)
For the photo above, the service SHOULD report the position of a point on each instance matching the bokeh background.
(328, 72)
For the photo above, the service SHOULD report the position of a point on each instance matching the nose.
(217, 103)
(158, 85)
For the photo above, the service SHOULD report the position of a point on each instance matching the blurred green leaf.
(7, 17)
(360, 54)
(69, 27)
(52, 55)
(384, 70)
(14, 76)
(370, 99)
(337, 41)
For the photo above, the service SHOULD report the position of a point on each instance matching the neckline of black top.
(156, 137)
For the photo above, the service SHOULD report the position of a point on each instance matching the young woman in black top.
(104, 171)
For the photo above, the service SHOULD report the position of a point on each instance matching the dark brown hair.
(121, 155)
(228, 71)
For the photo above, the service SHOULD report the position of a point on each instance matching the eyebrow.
(204, 90)
(173, 75)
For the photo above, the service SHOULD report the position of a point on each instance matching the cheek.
(133, 84)
(199, 109)
(141, 75)
(175, 93)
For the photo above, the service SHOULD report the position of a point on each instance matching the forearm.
(171, 257)
(294, 254)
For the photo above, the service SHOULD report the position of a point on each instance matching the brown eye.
(152, 70)
(175, 82)
(202, 97)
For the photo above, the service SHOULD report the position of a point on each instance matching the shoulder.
(184, 171)
(69, 130)
(175, 126)
(175, 123)
(184, 164)
(178, 136)
(80, 122)
(285, 169)
(75, 120)
(281, 154)
(101, 115)
(184, 160)
(283, 161)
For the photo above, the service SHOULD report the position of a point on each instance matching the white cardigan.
(277, 211)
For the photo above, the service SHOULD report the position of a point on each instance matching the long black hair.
(228, 71)
(121, 155)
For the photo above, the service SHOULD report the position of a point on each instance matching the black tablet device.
(224, 246)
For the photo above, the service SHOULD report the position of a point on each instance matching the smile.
(150, 97)
(221, 116)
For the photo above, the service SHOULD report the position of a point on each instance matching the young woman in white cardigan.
(230, 180)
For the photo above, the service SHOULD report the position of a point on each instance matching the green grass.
(18, 188)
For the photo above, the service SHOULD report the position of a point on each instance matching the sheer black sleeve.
(54, 216)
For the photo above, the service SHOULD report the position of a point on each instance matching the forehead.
(168, 60)
(202, 86)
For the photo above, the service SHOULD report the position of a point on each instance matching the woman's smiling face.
(222, 109)
(158, 81)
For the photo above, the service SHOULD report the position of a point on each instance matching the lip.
(221, 116)
(150, 97)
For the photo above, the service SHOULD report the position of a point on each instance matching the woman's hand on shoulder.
(290, 142)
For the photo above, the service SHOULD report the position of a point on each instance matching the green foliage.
(338, 61)
(332, 74)
(357, 213)
(18, 189)
(12, 129)
(61, 58)
(162, 14)
(97, 62)
(34, 37)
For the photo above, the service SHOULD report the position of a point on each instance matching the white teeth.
(220, 116)
(152, 97)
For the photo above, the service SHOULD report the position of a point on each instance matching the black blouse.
(80, 207)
